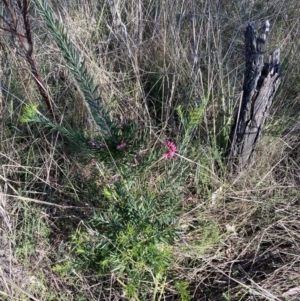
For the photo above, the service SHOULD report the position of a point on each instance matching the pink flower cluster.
(114, 179)
(186, 200)
(171, 150)
(121, 145)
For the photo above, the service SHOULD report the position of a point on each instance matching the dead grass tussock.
(254, 255)
(255, 252)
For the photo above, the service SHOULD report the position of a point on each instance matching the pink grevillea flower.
(186, 200)
(93, 161)
(121, 145)
(115, 178)
(171, 150)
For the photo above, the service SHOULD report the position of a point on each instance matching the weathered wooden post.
(261, 82)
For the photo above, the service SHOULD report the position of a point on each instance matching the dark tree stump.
(261, 82)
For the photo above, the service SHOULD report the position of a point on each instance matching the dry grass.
(255, 255)
(240, 234)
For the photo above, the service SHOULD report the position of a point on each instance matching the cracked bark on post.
(260, 85)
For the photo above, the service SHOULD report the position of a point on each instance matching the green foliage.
(33, 231)
(77, 68)
(63, 268)
(209, 232)
(185, 63)
(226, 297)
(194, 116)
(29, 113)
(190, 121)
(103, 148)
(132, 237)
(109, 135)
(182, 288)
